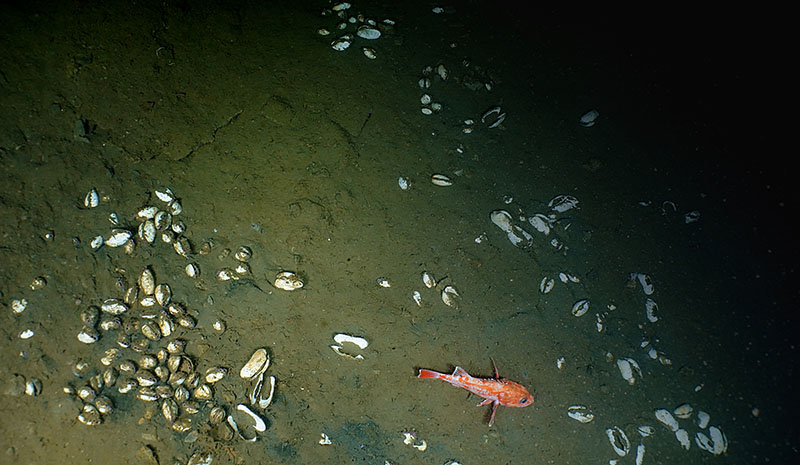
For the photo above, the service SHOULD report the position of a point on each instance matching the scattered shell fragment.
(441, 180)
(288, 281)
(383, 282)
(258, 363)
(325, 440)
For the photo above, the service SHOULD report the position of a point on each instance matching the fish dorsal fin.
(460, 372)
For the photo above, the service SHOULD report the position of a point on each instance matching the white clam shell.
(651, 310)
(666, 419)
(417, 298)
(628, 367)
(450, 296)
(91, 200)
(702, 419)
(369, 52)
(562, 203)
(288, 281)
(341, 338)
(580, 307)
(118, 237)
(640, 454)
(164, 194)
(646, 430)
(368, 32)
(619, 441)
(580, 413)
(502, 219)
(428, 280)
(258, 363)
(683, 437)
(441, 180)
(589, 118)
(546, 285)
(683, 411)
(260, 426)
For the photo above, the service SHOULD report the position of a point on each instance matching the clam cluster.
(365, 28)
(448, 293)
(145, 332)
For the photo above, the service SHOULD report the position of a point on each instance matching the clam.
(147, 281)
(288, 281)
(441, 180)
(258, 363)
(580, 307)
(450, 296)
(118, 237)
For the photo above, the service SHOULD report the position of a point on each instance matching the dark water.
(274, 141)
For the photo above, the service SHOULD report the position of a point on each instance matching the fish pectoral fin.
(485, 402)
(494, 410)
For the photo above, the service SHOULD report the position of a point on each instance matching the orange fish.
(495, 391)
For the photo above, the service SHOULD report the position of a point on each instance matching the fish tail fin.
(423, 373)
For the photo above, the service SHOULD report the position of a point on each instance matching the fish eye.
(524, 400)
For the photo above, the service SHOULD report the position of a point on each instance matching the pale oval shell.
(428, 280)
(92, 199)
(502, 219)
(114, 306)
(147, 281)
(450, 296)
(288, 281)
(441, 180)
(666, 419)
(163, 294)
(118, 237)
(258, 363)
(581, 307)
(359, 341)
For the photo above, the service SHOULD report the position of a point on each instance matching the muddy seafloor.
(273, 141)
